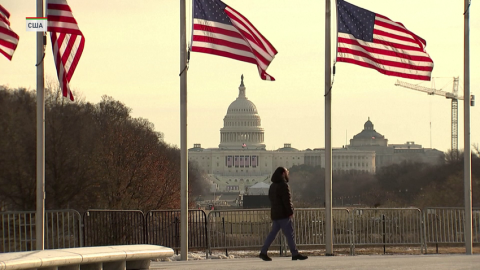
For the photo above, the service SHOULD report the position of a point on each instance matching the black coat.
(280, 199)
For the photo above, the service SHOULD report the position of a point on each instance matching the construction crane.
(453, 96)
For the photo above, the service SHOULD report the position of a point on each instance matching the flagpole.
(183, 135)
(466, 134)
(40, 213)
(328, 137)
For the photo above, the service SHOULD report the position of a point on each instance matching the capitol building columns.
(238, 138)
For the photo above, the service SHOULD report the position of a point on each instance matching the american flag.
(374, 41)
(8, 38)
(67, 42)
(219, 29)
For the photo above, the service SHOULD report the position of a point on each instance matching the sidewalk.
(362, 262)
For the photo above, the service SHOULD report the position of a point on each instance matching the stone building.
(386, 154)
(241, 159)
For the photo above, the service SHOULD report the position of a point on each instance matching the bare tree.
(69, 138)
(453, 156)
(97, 156)
(17, 148)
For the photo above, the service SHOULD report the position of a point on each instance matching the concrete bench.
(86, 258)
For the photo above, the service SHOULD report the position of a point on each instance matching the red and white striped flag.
(8, 38)
(220, 30)
(374, 41)
(67, 42)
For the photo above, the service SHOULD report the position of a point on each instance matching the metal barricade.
(446, 225)
(236, 229)
(387, 227)
(163, 228)
(62, 230)
(309, 224)
(113, 227)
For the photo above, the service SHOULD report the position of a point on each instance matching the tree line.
(397, 185)
(96, 156)
(99, 156)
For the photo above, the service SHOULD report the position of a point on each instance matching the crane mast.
(453, 96)
(455, 117)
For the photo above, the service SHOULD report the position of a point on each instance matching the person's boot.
(299, 257)
(264, 257)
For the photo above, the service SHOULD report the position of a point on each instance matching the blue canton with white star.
(211, 10)
(355, 20)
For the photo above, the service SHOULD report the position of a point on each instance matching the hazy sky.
(132, 54)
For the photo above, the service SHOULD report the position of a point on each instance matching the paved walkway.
(361, 262)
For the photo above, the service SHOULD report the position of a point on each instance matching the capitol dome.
(368, 132)
(242, 124)
(368, 137)
(242, 106)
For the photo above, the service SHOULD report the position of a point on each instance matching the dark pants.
(287, 228)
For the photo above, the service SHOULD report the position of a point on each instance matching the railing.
(387, 227)
(62, 230)
(446, 225)
(309, 224)
(114, 227)
(238, 229)
(163, 228)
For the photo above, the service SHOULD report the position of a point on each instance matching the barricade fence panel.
(63, 229)
(18, 230)
(239, 228)
(309, 224)
(447, 225)
(387, 226)
(163, 228)
(113, 227)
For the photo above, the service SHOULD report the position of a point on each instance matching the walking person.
(281, 213)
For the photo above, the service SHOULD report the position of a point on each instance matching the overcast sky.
(132, 54)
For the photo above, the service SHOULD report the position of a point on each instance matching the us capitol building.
(241, 160)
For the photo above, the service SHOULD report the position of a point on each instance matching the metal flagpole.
(328, 138)
(40, 213)
(183, 135)
(467, 172)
